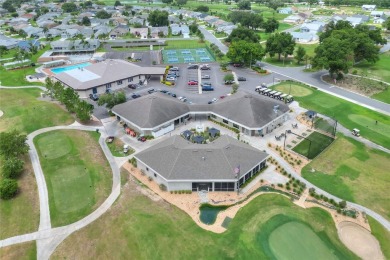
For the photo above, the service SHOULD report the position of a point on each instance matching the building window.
(147, 168)
(108, 86)
(213, 116)
(225, 121)
(130, 80)
(119, 82)
(236, 126)
(155, 175)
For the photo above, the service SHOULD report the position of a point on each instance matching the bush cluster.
(133, 161)
(181, 192)
(288, 157)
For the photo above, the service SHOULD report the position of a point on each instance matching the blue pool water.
(76, 66)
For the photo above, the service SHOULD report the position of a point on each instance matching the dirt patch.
(359, 240)
(360, 85)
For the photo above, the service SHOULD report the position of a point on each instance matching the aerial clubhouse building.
(106, 75)
(222, 165)
(157, 114)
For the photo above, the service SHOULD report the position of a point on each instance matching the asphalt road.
(211, 38)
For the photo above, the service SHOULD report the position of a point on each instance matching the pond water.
(208, 214)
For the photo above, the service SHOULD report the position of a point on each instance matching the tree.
(117, 3)
(202, 8)
(228, 77)
(275, 4)
(110, 100)
(234, 88)
(22, 34)
(245, 52)
(300, 54)
(386, 24)
(167, 1)
(3, 50)
(194, 28)
(181, 2)
(249, 20)
(102, 15)
(12, 167)
(83, 110)
(69, 7)
(244, 5)
(69, 98)
(280, 43)
(334, 54)
(85, 21)
(242, 33)
(13, 143)
(8, 189)
(158, 18)
(180, 17)
(342, 204)
(201, 37)
(271, 25)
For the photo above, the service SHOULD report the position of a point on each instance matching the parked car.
(214, 100)
(175, 73)
(229, 82)
(210, 102)
(205, 67)
(222, 97)
(241, 79)
(94, 97)
(164, 91)
(205, 76)
(170, 78)
(193, 66)
(237, 65)
(192, 82)
(173, 95)
(150, 91)
(208, 88)
(174, 69)
(134, 96)
(142, 139)
(132, 86)
(206, 84)
(184, 99)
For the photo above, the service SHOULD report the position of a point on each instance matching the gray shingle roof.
(178, 159)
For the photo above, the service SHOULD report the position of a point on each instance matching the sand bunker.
(359, 240)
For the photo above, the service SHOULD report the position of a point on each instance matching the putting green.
(55, 144)
(367, 123)
(296, 90)
(295, 240)
(65, 182)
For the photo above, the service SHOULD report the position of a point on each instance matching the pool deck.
(49, 73)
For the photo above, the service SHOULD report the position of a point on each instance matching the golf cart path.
(49, 238)
(19, 87)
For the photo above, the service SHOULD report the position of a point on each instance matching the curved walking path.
(19, 87)
(49, 238)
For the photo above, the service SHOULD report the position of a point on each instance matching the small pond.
(208, 213)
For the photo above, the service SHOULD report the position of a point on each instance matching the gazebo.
(187, 134)
(213, 132)
(198, 139)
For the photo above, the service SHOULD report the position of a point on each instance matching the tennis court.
(187, 56)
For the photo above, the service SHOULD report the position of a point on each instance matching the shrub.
(163, 187)
(8, 188)
(142, 172)
(342, 204)
(133, 161)
(12, 167)
(150, 178)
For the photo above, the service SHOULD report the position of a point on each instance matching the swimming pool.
(76, 66)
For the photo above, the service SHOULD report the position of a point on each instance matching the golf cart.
(125, 148)
(356, 132)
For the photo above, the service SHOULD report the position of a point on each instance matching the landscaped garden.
(351, 171)
(346, 113)
(77, 174)
(250, 234)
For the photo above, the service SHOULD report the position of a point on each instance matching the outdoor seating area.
(201, 137)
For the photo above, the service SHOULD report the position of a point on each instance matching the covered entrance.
(202, 186)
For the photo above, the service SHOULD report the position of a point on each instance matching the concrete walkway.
(49, 238)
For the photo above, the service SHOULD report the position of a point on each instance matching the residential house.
(119, 31)
(140, 32)
(76, 45)
(28, 16)
(286, 10)
(8, 42)
(177, 29)
(137, 20)
(312, 27)
(87, 32)
(354, 20)
(377, 13)
(303, 37)
(70, 33)
(293, 19)
(26, 45)
(119, 20)
(380, 20)
(101, 30)
(32, 31)
(368, 7)
(159, 32)
(365, 18)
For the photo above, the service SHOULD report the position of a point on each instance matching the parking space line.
(199, 80)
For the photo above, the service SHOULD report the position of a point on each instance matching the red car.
(192, 82)
(142, 138)
(222, 97)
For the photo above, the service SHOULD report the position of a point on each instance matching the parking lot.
(182, 89)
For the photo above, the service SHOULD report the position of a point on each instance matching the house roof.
(104, 72)
(179, 159)
(253, 111)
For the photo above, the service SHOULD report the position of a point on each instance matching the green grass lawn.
(308, 47)
(346, 113)
(18, 77)
(351, 171)
(379, 70)
(183, 44)
(77, 174)
(140, 228)
(24, 112)
(382, 235)
(26, 250)
(116, 148)
(313, 145)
